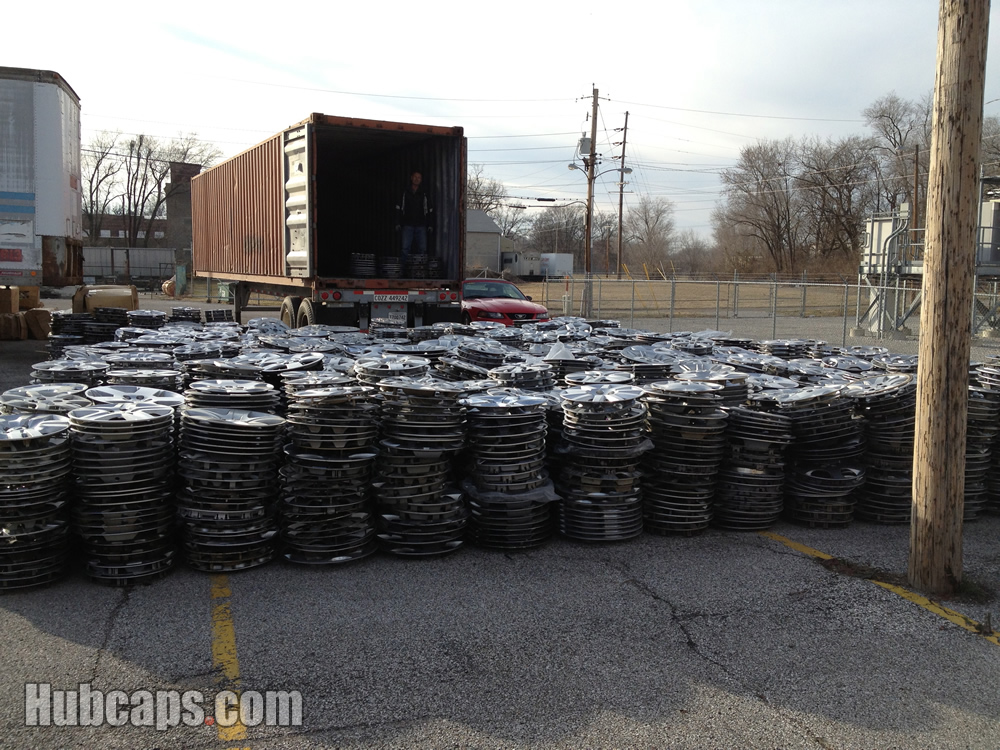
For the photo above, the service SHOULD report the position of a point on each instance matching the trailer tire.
(290, 311)
(306, 315)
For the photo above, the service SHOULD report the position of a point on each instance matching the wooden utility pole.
(915, 209)
(621, 195)
(949, 263)
(588, 285)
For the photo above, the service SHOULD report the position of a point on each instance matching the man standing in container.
(414, 218)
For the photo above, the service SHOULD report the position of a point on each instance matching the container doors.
(298, 201)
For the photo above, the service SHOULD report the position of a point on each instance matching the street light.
(589, 228)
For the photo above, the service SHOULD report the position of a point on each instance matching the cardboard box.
(10, 299)
(89, 298)
(13, 327)
(28, 297)
(39, 323)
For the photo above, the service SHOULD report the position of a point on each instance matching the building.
(482, 243)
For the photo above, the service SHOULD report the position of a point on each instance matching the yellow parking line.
(956, 618)
(796, 546)
(224, 651)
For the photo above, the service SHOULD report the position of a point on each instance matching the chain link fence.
(845, 314)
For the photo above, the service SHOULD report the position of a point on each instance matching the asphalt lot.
(718, 640)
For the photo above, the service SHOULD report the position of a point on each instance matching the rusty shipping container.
(310, 214)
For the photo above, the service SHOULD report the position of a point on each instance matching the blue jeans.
(416, 238)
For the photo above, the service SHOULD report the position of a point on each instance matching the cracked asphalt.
(718, 640)
(712, 641)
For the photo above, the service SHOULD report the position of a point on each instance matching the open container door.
(298, 201)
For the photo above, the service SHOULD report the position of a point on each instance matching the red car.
(498, 301)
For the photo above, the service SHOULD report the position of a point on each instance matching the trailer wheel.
(306, 315)
(289, 310)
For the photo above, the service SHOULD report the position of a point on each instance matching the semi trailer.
(311, 216)
(41, 232)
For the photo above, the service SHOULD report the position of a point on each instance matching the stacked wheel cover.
(54, 398)
(888, 403)
(687, 428)
(981, 432)
(35, 472)
(987, 377)
(753, 471)
(826, 458)
(123, 468)
(228, 487)
(509, 490)
(423, 427)
(88, 372)
(326, 510)
(603, 439)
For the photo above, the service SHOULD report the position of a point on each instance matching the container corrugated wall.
(237, 216)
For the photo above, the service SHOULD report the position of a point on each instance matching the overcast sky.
(700, 78)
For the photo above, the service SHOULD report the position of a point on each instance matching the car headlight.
(489, 314)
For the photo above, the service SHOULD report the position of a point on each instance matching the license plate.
(392, 297)
(394, 317)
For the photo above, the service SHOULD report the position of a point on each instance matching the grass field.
(725, 299)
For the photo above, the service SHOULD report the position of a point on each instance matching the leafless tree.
(649, 226)
(991, 145)
(837, 184)
(483, 192)
(739, 253)
(101, 165)
(761, 202)
(490, 195)
(901, 129)
(559, 229)
(130, 177)
(693, 254)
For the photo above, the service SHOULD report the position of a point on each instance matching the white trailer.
(557, 264)
(41, 234)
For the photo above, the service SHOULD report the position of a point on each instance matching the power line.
(737, 114)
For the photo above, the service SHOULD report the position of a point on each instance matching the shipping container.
(41, 237)
(311, 215)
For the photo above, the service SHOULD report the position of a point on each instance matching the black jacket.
(414, 209)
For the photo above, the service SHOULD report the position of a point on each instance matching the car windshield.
(490, 289)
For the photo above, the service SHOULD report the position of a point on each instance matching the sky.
(700, 79)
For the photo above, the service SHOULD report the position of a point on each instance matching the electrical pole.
(935, 563)
(588, 298)
(621, 195)
(915, 224)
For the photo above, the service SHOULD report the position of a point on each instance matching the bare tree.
(101, 165)
(151, 191)
(991, 145)
(693, 254)
(142, 178)
(739, 253)
(482, 192)
(604, 241)
(762, 204)
(131, 178)
(511, 219)
(837, 183)
(901, 129)
(559, 229)
(650, 230)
